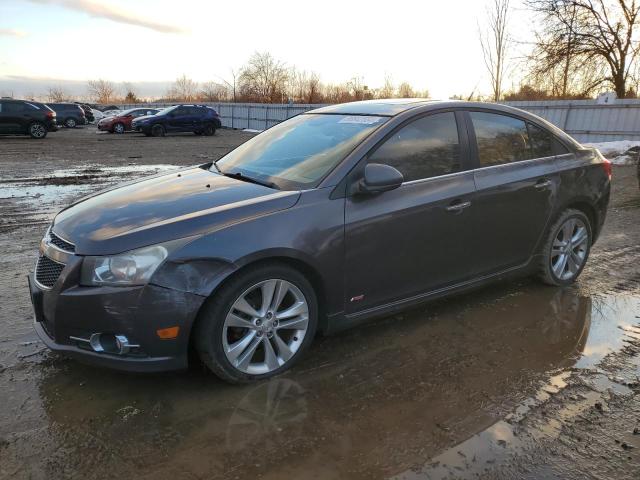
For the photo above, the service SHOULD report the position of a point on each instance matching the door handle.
(458, 207)
(542, 184)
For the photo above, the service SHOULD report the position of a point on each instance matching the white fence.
(585, 120)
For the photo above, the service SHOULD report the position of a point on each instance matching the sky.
(432, 44)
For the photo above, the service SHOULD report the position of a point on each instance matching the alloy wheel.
(265, 326)
(71, 123)
(569, 249)
(118, 128)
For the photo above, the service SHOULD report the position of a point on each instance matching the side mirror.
(379, 178)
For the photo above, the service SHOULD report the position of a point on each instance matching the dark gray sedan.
(328, 219)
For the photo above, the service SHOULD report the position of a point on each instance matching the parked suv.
(198, 119)
(330, 218)
(69, 114)
(88, 112)
(22, 117)
(121, 122)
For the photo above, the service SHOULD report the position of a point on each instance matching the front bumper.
(105, 126)
(67, 312)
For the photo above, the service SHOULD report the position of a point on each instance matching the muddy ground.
(516, 380)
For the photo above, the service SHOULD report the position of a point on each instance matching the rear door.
(418, 237)
(11, 117)
(516, 182)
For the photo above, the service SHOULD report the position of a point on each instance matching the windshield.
(167, 110)
(299, 152)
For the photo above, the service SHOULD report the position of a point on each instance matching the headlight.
(126, 269)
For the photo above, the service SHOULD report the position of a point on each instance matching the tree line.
(263, 79)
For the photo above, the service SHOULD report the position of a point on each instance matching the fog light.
(108, 343)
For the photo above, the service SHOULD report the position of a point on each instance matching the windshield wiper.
(244, 178)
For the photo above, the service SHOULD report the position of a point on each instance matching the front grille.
(48, 271)
(60, 243)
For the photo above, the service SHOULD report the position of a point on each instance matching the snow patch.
(621, 152)
(251, 130)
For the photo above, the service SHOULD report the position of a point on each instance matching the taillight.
(608, 169)
(50, 114)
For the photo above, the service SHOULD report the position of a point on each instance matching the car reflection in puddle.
(383, 400)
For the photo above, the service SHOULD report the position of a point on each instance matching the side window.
(501, 139)
(541, 142)
(13, 107)
(425, 148)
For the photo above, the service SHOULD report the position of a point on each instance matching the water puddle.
(31, 200)
(373, 402)
(612, 322)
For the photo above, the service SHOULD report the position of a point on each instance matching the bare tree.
(388, 90)
(599, 33)
(214, 92)
(495, 42)
(102, 91)
(264, 79)
(405, 90)
(57, 94)
(183, 89)
(304, 86)
(232, 85)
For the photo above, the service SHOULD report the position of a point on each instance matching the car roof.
(387, 107)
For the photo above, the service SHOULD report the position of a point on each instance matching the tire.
(118, 128)
(37, 130)
(157, 130)
(70, 122)
(561, 263)
(214, 337)
(209, 130)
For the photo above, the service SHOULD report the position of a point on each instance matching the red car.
(122, 122)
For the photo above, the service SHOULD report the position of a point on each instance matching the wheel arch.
(589, 210)
(286, 257)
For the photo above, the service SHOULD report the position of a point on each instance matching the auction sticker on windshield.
(360, 119)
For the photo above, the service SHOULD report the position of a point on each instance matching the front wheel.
(157, 131)
(566, 249)
(118, 128)
(258, 324)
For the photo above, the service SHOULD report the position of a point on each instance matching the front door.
(418, 237)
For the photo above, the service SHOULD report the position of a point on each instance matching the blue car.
(199, 119)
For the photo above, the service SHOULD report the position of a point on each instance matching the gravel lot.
(516, 380)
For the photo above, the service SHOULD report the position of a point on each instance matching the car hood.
(162, 208)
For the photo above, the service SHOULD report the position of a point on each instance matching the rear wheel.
(566, 249)
(157, 131)
(118, 128)
(70, 122)
(37, 130)
(258, 324)
(209, 130)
